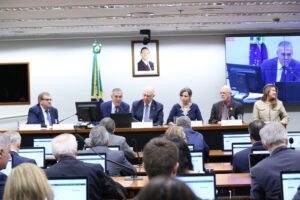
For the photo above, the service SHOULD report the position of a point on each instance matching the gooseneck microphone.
(134, 142)
(66, 118)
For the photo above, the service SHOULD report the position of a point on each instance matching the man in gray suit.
(265, 175)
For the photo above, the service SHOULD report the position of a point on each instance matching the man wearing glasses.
(43, 113)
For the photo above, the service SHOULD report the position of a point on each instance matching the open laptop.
(93, 158)
(256, 158)
(237, 147)
(44, 142)
(228, 139)
(75, 188)
(197, 160)
(296, 139)
(35, 153)
(114, 147)
(203, 185)
(122, 120)
(290, 182)
(191, 147)
(8, 168)
(260, 151)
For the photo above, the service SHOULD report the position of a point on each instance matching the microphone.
(132, 177)
(291, 141)
(66, 118)
(134, 142)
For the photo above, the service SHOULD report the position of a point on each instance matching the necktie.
(283, 74)
(146, 114)
(149, 68)
(116, 109)
(48, 117)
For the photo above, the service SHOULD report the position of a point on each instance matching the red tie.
(149, 68)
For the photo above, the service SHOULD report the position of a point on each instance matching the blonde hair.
(27, 182)
(175, 131)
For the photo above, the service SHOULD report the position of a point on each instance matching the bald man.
(147, 109)
(226, 108)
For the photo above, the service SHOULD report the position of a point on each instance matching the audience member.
(4, 157)
(174, 130)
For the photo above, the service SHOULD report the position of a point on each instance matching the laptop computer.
(75, 188)
(35, 153)
(93, 158)
(203, 185)
(122, 120)
(296, 139)
(191, 147)
(237, 147)
(114, 147)
(228, 139)
(8, 168)
(44, 142)
(256, 158)
(260, 151)
(197, 160)
(290, 182)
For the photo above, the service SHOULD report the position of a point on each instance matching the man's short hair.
(160, 157)
(41, 95)
(14, 137)
(142, 49)
(285, 44)
(116, 90)
(109, 124)
(183, 121)
(99, 136)
(273, 134)
(254, 128)
(64, 145)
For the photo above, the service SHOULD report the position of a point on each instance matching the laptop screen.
(228, 139)
(122, 120)
(69, 188)
(8, 168)
(296, 139)
(197, 160)
(290, 182)
(203, 185)
(256, 158)
(37, 154)
(94, 159)
(191, 147)
(44, 142)
(237, 147)
(260, 151)
(114, 147)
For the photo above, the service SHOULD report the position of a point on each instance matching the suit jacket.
(194, 112)
(3, 178)
(117, 156)
(101, 186)
(36, 116)
(156, 112)
(106, 108)
(240, 160)
(265, 176)
(269, 71)
(235, 109)
(143, 67)
(17, 159)
(121, 141)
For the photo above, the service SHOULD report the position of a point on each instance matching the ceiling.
(34, 19)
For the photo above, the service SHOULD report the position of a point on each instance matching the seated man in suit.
(15, 144)
(240, 160)
(100, 186)
(43, 113)
(225, 109)
(4, 157)
(99, 138)
(147, 109)
(265, 176)
(144, 64)
(160, 158)
(116, 105)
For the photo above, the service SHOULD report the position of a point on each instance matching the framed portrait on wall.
(145, 58)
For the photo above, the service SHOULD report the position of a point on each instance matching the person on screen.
(116, 105)
(144, 64)
(185, 107)
(265, 175)
(147, 109)
(226, 108)
(4, 157)
(270, 108)
(15, 145)
(240, 161)
(283, 68)
(27, 181)
(43, 113)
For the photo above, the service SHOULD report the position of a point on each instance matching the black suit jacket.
(17, 159)
(143, 67)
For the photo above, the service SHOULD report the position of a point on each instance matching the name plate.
(141, 124)
(235, 122)
(30, 127)
(196, 123)
(63, 126)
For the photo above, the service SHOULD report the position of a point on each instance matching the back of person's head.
(109, 124)
(160, 157)
(254, 128)
(15, 138)
(27, 182)
(99, 136)
(273, 134)
(175, 130)
(166, 188)
(4, 150)
(183, 121)
(64, 145)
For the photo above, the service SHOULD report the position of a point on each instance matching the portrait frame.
(139, 68)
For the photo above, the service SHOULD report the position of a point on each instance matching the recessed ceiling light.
(140, 14)
(210, 9)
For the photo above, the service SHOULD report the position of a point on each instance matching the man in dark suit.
(100, 186)
(282, 68)
(116, 105)
(4, 157)
(43, 113)
(147, 109)
(15, 144)
(225, 109)
(240, 160)
(144, 64)
(265, 176)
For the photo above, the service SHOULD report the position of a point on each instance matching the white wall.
(63, 67)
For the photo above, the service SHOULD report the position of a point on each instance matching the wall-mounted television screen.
(253, 61)
(14, 83)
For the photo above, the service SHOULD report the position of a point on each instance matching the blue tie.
(146, 114)
(48, 117)
(283, 74)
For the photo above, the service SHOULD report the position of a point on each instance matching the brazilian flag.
(97, 91)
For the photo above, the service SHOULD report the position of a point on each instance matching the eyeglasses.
(286, 54)
(47, 99)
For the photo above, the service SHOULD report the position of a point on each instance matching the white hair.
(183, 121)
(99, 136)
(4, 141)
(273, 134)
(14, 137)
(64, 145)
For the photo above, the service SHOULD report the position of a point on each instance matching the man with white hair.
(226, 108)
(101, 186)
(147, 109)
(265, 175)
(4, 157)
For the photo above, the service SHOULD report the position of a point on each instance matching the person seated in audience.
(99, 138)
(240, 160)
(15, 144)
(116, 105)
(160, 158)
(4, 157)
(166, 188)
(185, 108)
(147, 109)
(265, 176)
(174, 130)
(27, 182)
(100, 186)
(226, 108)
(43, 113)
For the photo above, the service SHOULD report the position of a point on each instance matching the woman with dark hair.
(270, 108)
